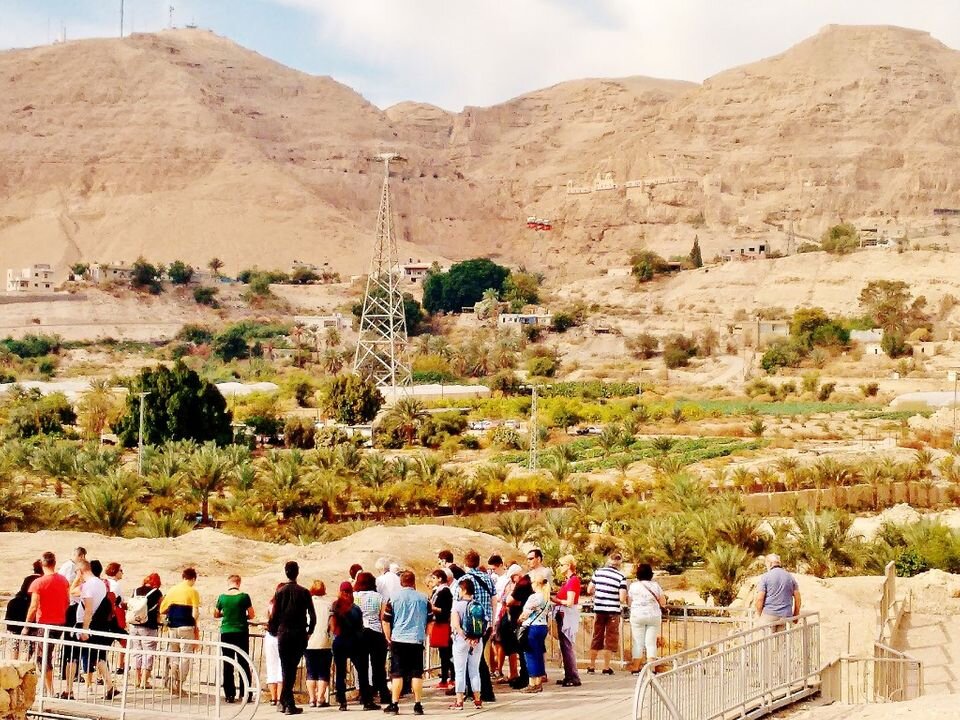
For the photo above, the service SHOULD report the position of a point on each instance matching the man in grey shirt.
(778, 595)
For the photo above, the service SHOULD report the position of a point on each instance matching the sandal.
(455, 706)
(478, 704)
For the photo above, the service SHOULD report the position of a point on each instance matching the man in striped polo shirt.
(609, 589)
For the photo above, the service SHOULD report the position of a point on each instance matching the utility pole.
(121, 19)
(534, 429)
(954, 375)
(143, 396)
(382, 341)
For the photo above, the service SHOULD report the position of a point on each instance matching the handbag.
(663, 610)
(524, 629)
(440, 635)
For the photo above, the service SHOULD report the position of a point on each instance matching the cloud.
(452, 52)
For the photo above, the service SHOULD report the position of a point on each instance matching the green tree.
(180, 406)
(840, 239)
(30, 413)
(145, 276)
(522, 287)
(412, 314)
(677, 351)
(463, 285)
(215, 265)
(231, 344)
(352, 400)
(888, 303)
(893, 344)
(206, 296)
(207, 472)
(696, 259)
(782, 353)
(646, 265)
(727, 567)
(179, 272)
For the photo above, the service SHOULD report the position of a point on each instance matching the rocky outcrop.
(18, 687)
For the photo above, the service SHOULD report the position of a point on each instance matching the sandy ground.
(216, 555)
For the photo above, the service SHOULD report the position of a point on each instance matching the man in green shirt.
(235, 610)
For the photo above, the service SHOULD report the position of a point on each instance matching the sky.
(453, 53)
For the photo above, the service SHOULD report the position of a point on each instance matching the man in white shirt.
(69, 567)
(389, 581)
(92, 616)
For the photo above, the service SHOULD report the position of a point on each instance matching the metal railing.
(889, 675)
(185, 676)
(746, 675)
(683, 627)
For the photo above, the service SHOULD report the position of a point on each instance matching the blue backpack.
(474, 621)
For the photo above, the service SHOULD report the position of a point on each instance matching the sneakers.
(371, 706)
(591, 670)
(533, 689)
(417, 709)
(392, 709)
(455, 706)
(607, 671)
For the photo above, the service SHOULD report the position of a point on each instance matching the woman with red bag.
(441, 603)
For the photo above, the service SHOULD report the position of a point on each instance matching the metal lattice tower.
(383, 326)
(534, 430)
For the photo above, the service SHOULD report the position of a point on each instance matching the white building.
(538, 319)
(867, 336)
(106, 273)
(321, 322)
(415, 272)
(30, 279)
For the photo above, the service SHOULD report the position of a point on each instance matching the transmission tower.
(534, 430)
(383, 326)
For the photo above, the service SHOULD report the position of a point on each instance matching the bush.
(647, 265)
(205, 296)
(782, 353)
(303, 276)
(561, 322)
(910, 563)
(870, 389)
(522, 287)
(542, 366)
(506, 382)
(143, 275)
(196, 334)
(893, 344)
(678, 350)
(299, 433)
(231, 344)
(840, 239)
(30, 413)
(179, 272)
(643, 346)
(505, 438)
(825, 391)
(352, 400)
(32, 346)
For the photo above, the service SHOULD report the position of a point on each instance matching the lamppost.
(143, 396)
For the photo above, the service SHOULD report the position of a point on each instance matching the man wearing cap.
(291, 622)
(778, 595)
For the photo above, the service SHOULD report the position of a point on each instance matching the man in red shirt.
(49, 600)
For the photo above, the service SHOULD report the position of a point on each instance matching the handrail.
(190, 673)
(748, 674)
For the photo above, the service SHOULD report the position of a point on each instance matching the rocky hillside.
(183, 144)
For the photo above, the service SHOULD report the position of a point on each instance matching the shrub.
(143, 275)
(303, 276)
(506, 382)
(647, 265)
(299, 433)
(205, 296)
(893, 344)
(870, 389)
(677, 351)
(542, 366)
(32, 346)
(231, 344)
(562, 321)
(179, 272)
(352, 400)
(826, 390)
(196, 334)
(840, 239)
(505, 438)
(782, 353)
(643, 346)
(910, 563)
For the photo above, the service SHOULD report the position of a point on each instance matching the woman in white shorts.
(646, 600)
(271, 658)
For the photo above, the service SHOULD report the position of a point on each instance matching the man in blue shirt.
(483, 594)
(778, 596)
(405, 627)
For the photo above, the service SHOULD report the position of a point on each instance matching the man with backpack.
(468, 627)
(483, 595)
(235, 610)
(96, 616)
(143, 622)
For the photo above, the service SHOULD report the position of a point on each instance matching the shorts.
(406, 660)
(507, 635)
(606, 632)
(53, 635)
(318, 664)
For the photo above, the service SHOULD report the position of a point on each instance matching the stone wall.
(18, 687)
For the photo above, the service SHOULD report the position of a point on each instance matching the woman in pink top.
(567, 602)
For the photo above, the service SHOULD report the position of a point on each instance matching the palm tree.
(375, 471)
(726, 566)
(517, 528)
(306, 530)
(408, 416)
(610, 438)
(109, 505)
(559, 468)
(329, 491)
(207, 472)
(663, 444)
(285, 488)
(56, 460)
(152, 524)
(821, 543)
(331, 361)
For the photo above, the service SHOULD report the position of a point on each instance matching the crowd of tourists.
(487, 621)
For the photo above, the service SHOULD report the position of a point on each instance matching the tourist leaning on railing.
(646, 612)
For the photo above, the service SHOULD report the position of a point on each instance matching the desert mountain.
(184, 144)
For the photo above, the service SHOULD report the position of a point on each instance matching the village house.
(533, 318)
(321, 322)
(754, 251)
(415, 271)
(107, 273)
(35, 278)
